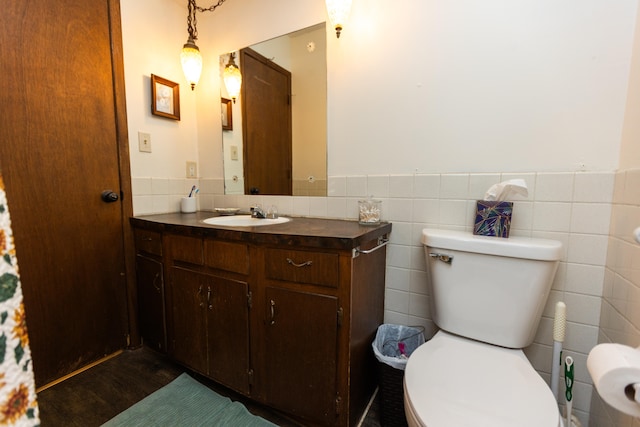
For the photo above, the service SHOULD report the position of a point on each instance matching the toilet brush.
(559, 325)
(568, 381)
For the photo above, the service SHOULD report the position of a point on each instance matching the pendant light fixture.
(232, 77)
(190, 56)
(338, 11)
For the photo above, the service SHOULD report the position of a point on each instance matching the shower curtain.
(18, 404)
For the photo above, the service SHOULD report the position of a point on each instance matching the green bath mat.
(186, 402)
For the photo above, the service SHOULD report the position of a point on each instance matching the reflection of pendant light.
(338, 11)
(190, 56)
(232, 77)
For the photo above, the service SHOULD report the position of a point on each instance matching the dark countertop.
(300, 231)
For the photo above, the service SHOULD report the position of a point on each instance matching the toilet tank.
(490, 289)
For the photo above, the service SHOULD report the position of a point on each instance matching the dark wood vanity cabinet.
(209, 298)
(285, 320)
(150, 279)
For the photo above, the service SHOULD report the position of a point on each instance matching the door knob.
(109, 196)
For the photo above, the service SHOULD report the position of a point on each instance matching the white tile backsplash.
(357, 186)
(551, 216)
(554, 187)
(401, 186)
(426, 211)
(426, 186)
(480, 183)
(160, 186)
(398, 210)
(454, 186)
(378, 186)
(593, 187)
(584, 279)
(590, 218)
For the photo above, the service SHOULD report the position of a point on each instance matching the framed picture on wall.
(227, 120)
(165, 98)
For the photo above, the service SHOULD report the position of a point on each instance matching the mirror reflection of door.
(266, 122)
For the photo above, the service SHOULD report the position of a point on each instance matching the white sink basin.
(243, 221)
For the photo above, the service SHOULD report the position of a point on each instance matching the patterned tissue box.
(493, 218)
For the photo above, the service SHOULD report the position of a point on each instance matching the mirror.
(301, 54)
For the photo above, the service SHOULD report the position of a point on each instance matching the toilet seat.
(452, 381)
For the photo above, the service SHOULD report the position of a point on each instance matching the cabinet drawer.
(148, 241)
(316, 268)
(187, 249)
(227, 256)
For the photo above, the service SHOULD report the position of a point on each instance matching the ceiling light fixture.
(190, 56)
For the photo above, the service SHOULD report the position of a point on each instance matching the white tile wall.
(573, 207)
(620, 314)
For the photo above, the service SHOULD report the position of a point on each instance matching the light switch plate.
(234, 152)
(144, 142)
(192, 169)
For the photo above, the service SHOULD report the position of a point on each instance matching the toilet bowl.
(487, 295)
(451, 381)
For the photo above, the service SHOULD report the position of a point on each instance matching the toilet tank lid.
(515, 246)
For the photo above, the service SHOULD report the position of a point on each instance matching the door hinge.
(338, 404)
(250, 376)
(250, 299)
(340, 316)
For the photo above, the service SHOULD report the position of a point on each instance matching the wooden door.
(266, 125)
(300, 354)
(63, 141)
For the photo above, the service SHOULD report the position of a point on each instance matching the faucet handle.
(272, 212)
(257, 212)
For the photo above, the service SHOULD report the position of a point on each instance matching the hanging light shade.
(338, 11)
(191, 62)
(232, 78)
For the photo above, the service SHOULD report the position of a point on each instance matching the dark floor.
(100, 393)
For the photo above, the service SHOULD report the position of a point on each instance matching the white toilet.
(488, 294)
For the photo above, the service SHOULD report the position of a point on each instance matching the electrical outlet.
(192, 169)
(144, 142)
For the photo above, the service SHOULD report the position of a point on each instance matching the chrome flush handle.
(448, 259)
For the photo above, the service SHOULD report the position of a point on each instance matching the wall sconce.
(190, 56)
(232, 77)
(338, 11)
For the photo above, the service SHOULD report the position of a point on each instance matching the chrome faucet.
(257, 212)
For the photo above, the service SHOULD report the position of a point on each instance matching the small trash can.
(392, 347)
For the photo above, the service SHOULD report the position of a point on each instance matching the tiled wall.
(620, 315)
(573, 207)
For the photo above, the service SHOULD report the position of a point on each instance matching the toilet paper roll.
(615, 369)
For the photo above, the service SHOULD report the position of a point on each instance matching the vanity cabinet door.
(210, 331)
(228, 333)
(301, 347)
(188, 343)
(151, 302)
